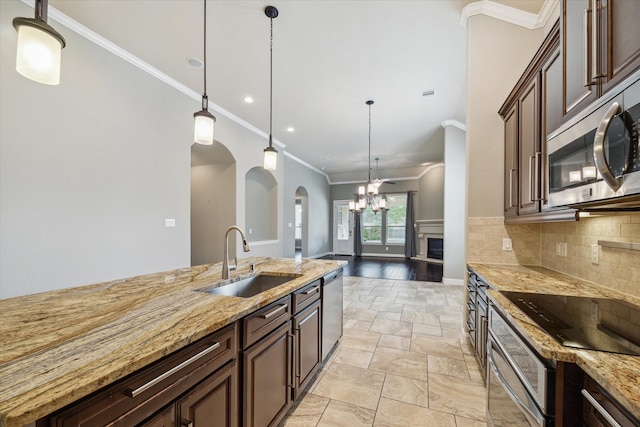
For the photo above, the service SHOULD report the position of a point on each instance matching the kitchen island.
(618, 374)
(58, 347)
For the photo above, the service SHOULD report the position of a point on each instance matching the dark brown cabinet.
(526, 125)
(600, 47)
(307, 349)
(477, 323)
(149, 396)
(212, 403)
(279, 364)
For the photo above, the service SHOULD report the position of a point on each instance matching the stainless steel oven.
(520, 383)
(596, 161)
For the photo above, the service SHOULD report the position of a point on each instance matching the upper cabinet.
(532, 110)
(599, 48)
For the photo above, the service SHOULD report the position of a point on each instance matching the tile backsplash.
(542, 244)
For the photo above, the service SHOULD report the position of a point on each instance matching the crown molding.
(509, 14)
(454, 123)
(303, 163)
(125, 55)
(428, 168)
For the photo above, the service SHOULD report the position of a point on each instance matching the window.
(298, 219)
(396, 218)
(371, 226)
(386, 228)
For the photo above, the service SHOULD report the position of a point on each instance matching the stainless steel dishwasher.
(332, 296)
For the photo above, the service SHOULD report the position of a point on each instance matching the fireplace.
(430, 240)
(435, 248)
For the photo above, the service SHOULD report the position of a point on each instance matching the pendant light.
(270, 153)
(368, 194)
(204, 121)
(39, 47)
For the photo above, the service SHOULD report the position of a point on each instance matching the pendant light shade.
(204, 124)
(39, 49)
(204, 121)
(270, 153)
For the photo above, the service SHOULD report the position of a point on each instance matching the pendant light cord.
(204, 96)
(271, 84)
(369, 142)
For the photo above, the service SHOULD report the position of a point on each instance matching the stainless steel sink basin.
(251, 286)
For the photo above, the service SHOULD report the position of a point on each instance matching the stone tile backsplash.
(538, 244)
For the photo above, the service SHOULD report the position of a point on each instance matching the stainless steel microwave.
(596, 161)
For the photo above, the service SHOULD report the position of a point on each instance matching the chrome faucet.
(226, 268)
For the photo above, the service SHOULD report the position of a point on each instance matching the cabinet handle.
(291, 384)
(156, 380)
(585, 48)
(274, 312)
(531, 179)
(536, 177)
(598, 147)
(511, 173)
(186, 423)
(598, 407)
(312, 290)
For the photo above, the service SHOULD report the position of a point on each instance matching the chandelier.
(368, 194)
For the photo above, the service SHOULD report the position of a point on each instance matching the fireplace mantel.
(428, 229)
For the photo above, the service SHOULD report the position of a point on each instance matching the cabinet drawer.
(258, 324)
(304, 297)
(136, 397)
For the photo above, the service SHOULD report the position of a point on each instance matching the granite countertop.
(57, 347)
(617, 373)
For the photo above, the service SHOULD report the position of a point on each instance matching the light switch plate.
(169, 222)
(595, 254)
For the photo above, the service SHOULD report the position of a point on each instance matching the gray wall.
(90, 169)
(318, 231)
(431, 190)
(261, 205)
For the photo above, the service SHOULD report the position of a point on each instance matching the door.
(342, 228)
(511, 162)
(529, 153)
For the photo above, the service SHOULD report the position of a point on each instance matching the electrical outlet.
(564, 249)
(595, 254)
(507, 244)
(595, 312)
(169, 222)
(558, 249)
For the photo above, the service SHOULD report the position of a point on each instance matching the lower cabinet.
(248, 373)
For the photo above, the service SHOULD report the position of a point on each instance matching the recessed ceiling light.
(194, 62)
(248, 99)
(290, 129)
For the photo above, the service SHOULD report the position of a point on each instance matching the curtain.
(357, 234)
(409, 234)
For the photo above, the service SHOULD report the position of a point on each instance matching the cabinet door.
(166, 418)
(511, 162)
(529, 149)
(551, 114)
(307, 350)
(579, 85)
(267, 379)
(213, 402)
(619, 33)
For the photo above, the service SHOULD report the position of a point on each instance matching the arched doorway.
(213, 200)
(301, 223)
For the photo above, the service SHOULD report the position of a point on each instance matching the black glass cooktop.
(581, 322)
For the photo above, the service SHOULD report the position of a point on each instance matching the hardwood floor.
(390, 268)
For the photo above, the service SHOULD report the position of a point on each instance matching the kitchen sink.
(250, 286)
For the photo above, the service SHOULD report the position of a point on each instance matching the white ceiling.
(330, 56)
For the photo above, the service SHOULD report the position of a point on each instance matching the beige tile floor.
(403, 361)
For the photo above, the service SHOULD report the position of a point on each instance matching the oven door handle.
(508, 389)
(596, 405)
(598, 147)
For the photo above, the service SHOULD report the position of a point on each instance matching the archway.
(301, 223)
(213, 200)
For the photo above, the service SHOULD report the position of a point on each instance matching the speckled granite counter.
(57, 347)
(617, 373)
